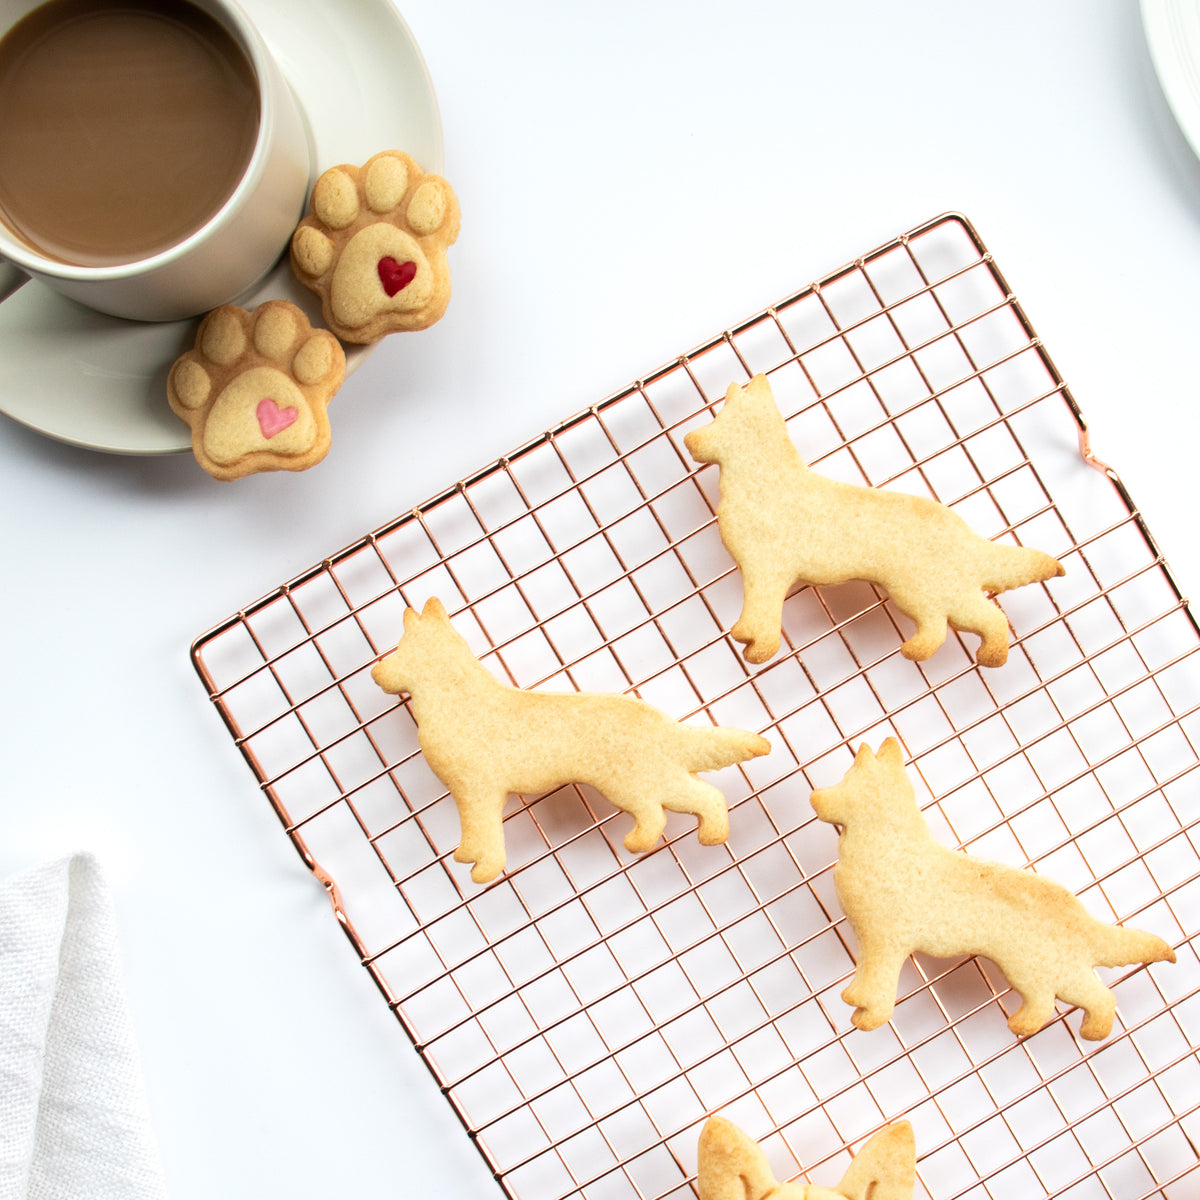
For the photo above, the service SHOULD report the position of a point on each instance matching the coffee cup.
(153, 160)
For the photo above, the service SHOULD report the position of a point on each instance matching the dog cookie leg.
(1036, 1009)
(872, 991)
(1085, 991)
(930, 633)
(977, 614)
(482, 843)
(705, 802)
(649, 819)
(760, 626)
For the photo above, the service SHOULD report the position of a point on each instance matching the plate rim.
(1172, 28)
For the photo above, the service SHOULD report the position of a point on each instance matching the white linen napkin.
(74, 1123)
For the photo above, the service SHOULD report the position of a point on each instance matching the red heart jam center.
(272, 419)
(395, 275)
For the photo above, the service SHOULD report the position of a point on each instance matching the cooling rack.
(584, 1013)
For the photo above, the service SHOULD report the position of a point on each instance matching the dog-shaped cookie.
(731, 1166)
(485, 740)
(903, 892)
(784, 524)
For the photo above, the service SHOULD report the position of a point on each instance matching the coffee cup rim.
(235, 21)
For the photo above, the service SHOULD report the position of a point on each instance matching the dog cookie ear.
(864, 756)
(891, 753)
(730, 1165)
(760, 388)
(885, 1168)
(435, 608)
(411, 617)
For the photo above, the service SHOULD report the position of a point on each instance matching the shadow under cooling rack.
(585, 1012)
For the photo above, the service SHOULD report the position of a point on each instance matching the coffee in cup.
(123, 127)
(152, 158)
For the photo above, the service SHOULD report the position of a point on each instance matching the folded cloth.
(74, 1123)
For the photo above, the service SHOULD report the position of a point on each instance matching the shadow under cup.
(153, 161)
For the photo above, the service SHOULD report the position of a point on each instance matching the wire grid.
(584, 1013)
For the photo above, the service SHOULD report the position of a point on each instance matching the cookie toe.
(275, 330)
(385, 182)
(316, 359)
(223, 336)
(428, 207)
(190, 383)
(335, 199)
(312, 251)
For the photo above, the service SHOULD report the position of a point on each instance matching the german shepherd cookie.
(485, 740)
(902, 892)
(731, 1166)
(254, 390)
(373, 246)
(785, 524)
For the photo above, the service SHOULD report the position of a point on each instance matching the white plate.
(1172, 29)
(99, 381)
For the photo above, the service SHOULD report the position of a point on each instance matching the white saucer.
(1172, 29)
(99, 381)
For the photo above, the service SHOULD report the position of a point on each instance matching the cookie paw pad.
(373, 246)
(254, 390)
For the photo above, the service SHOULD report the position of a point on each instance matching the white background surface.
(631, 182)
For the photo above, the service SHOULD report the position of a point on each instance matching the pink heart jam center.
(395, 275)
(272, 419)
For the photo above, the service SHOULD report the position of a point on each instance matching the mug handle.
(11, 278)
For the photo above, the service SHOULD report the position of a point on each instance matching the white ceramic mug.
(233, 249)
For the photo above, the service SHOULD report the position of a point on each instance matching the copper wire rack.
(585, 1012)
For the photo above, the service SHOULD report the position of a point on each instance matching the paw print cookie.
(373, 246)
(254, 390)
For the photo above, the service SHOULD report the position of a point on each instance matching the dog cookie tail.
(712, 749)
(885, 1168)
(1116, 946)
(1005, 567)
